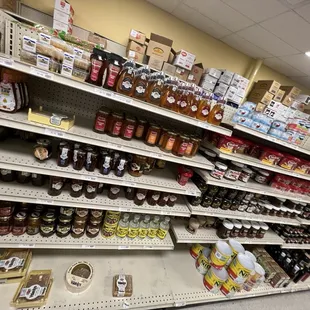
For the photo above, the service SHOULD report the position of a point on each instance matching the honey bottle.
(204, 107)
(126, 78)
(185, 100)
(155, 91)
(180, 90)
(216, 115)
(169, 97)
(151, 81)
(196, 92)
(141, 83)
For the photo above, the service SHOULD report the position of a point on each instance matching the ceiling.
(277, 31)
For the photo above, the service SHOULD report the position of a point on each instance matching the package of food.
(82, 64)
(45, 49)
(79, 74)
(75, 40)
(61, 44)
(28, 57)
(14, 264)
(34, 290)
(122, 285)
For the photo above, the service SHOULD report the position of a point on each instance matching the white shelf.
(18, 155)
(296, 246)
(208, 235)
(82, 132)
(172, 281)
(252, 187)
(251, 161)
(38, 195)
(271, 139)
(99, 91)
(304, 221)
(229, 214)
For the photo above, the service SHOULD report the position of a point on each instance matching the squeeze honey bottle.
(194, 100)
(126, 78)
(169, 97)
(155, 90)
(184, 100)
(141, 83)
(216, 115)
(204, 107)
(180, 90)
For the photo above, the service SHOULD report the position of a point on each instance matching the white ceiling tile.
(301, 62)
(282, 67)
(220, 13)
(304, 12)
(168, 6)
(291, 28)
(293, 4)
(257, 10)
(245, 46)
(302, 80)
(200, 21)
(267, 41)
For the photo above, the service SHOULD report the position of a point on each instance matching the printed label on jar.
(232, 174)
(173, 198)
(183, 104)
(269, 159)
(133, 232)
(117, 128)
(182, 148)
(18, 230)
(47, 228)
(64, 153)
(92, 230)
(169, 144)
(113, 72)
(78, 230)
(140, 196)
(140, 89)
(4, 230)
(5, 171)
(194, 108)
(76, 187)
(129, 131)
(152, 232)
(155, 197)
(155, 94)
(126, 84)
(171, 99)
(32, 292)
(34, 175)
(57, 186)
(121, 165)
(90, 189)
(161, 233)
(11, 263)
(26, 174)
(81, 212)
(75, 152)
(100, 123)
(96, 213)
(189, 148)
(66, 211)
(115, 190)
(139, 131)
(288, 165)
(32, 230)
(121, 231)
(143, 232)
(152, 137)
(63, 229)
(244, 177)
(218, 116)
(88, 158)
(205, 111)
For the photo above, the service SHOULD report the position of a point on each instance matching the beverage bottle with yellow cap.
(154, 225)
(123, 225)
(144, 227)
(163, 228)
(134, 227)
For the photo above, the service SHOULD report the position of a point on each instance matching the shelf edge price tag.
(89, 178)
(148, 247)
(124, 209)
(191, 193)
(41, 73)
(25, 245)
(165, 212)
(124, 247)
(45, 201)
(6, 62)
(155, 155)
(99, 91)
(122, 99)
(129, 184)
(180, 303)
(54, 133)
(203, 125)
(88, 246)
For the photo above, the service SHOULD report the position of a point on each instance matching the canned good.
(256, 278)
(240, 268)
(236, 247)
(230, 287)
(214, 279)
(220, 254)
(195, 250)
(203, 262)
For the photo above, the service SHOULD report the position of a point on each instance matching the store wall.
(115, 18)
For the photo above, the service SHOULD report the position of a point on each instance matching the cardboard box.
(268, 85)
(231, 92)
(137, 57)
(63, 6)
(181, 73)
(63, 17)
(169, 69)
(287, 100)
(216, 73)
(159, 46)
(208, 83)
(155, 63)
(291, 91)
(184, 59)
(260, 95)
(303, 98)
(260, 107)
(196, 74)
(67, 28)
(279, 95)
(9, 5)
(221, 89)
(137, 36)
(95, 38)
(226, 77)
(134, 46)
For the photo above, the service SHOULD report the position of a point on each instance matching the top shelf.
(99, 91)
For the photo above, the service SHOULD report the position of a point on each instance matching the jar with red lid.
(253, 230)
(115, 123)
(289, 162)
(141, 128)
(168, 141)
(270, 156)
(5, 225)
(234, 170)
(303, 167)
(228, 144)
(225, 229)
(184, 174)
(101, 120)
(19, 223)
(6, 208)
(152, 135)
(180, 145)
(128, 127)
(192, 147)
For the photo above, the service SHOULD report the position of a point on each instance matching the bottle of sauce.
(113, 69)
(126, 78)
(204, 107)
(194, 100)
(155, 90)
(216, 115)
(169, 97)
(99, 64)
(141, 83)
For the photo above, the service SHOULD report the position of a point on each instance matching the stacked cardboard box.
(63, 16)
(184, 62)
(136, 48)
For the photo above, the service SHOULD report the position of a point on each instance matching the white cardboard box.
(62, 26)
(208, 83)
(184, 59)
(231, 92)
(226, 77)
(64, 7)
(62, 17)
(221, 89)
(216, 73)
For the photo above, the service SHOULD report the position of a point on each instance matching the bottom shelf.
(295, 246)
(160, 279)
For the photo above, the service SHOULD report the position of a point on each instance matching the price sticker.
(123, 247)
(88, 246)
(26, 245)
(89, 178)
(203, 125)
(122, 99)
(156, 155)
(125, 305)
(148, 247)
(54, 133)
(41, 73)
(99, 91)
(165, 212)
(45, 201)
(237, 187)
(7, 62)
(191, 193)
(129, 184)
(107, 94)
(180, 303)
(124, 209)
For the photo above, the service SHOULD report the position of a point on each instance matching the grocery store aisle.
(296, 301)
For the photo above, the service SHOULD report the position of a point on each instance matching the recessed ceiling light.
(307, 53)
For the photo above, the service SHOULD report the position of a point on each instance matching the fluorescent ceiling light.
(307, 53)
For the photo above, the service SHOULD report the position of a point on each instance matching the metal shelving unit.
(208, 235)
(303, 221)
(296, 246)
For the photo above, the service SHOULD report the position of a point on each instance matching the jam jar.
(253, 230)
(23, 177)
(19, 223)
(76, 188)
(195, 200)
(43, 149)
(245, 174)
(168, 141)
(68, 211)
(234, 170)
(105, 163)
(64, 226)
(259, 207)
(33, 223)
(281, 212)
(140, 196)
(37, 179)
(114, 191)
(217, 201)
(5, 225)
(64, 154)
(225, 229)
(141, 129)
(91, 189)
(243, 205)
(130, 193)
(7, 175)
(82, 212)
(121, 165)
(266, 209)
(262, 230)
(246, 225)
(237, 228)
(262, 176)
(226, 204)
(192, 147)
(206, 201)
(160, 164)
(219, 170)
(91, 158)
(235, 205)
(149, 165)
(93, 227)
(274, 210)
(96, 213)
(172, 200)
(79, 157)
(163, 199)
(212, 190)
(128, 127)
(101, 120)
(78, 226)
(100, 188)
(152, 197)
(152, 135)
(6, 208)
(47, 225)
(180, 145)
(115, 123)
(251, 206)
(55, 186)
(137, 165)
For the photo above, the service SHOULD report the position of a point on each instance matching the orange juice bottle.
(204, 107)
(216, 115)
(141, 83)
(155, 90)
(169, 97)
(126, 78)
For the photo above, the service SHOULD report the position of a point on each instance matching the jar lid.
(297, 211)
(153, 125)
(264, 173)
(220, 165)
(281, 199)
(283, 209)
(264, 226)
(143, 121)
(237, 223)
(184, 137)
(268, 206)
(34, 216)
(240, 165)
(196, 139)
(255, 225)
(276, 208)
(5, 218)
(49, 217)
(130, 118)
(246, 224)
(295, 202)
(247, 170)
(209, 152)
(171, 133)
(117, 115)
(228, 224)
(104, 110)
(64, 219)
(20, 216)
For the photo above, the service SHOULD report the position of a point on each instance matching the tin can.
(240, 268)
(203, 262)
(195, 250)
(230, 287)
(236, 248)
(220, 254)
(255, 279)
(214, 278)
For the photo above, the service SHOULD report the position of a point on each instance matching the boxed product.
(137, 57)
(184, 60)
(231, 92)
(169, 69)
(226, 77)
(137, 36)
(287, 100)
(181, 73)
(155, 63)
(97, 39)
(196, 73)
(291, 91)
(216, 73)
(260, 107)
(64, 7)
(67, 28)
(260, 95)
(237, 99)
(269, 85)
(220, 89)
(159, 46)
(134, 46)
(303, 98)
(279, 95)
(63, 17)
(208, 83)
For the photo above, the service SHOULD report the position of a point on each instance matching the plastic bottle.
(154, 225)
(170, 96)
(163, 228)
(141, 83)
(123, 224)
(126, 78)
(216, 115)
(144, 227)
(184, 99)
(113, 70)
(134, 227)
(194, 99)
(204, 107)
(155, 90)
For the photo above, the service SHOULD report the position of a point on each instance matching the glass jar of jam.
(149, 165)
(194, 200)
(64, 226)
(96, 213)
(243, 205)
(274, 210)
(212, 190)
(172, 200)
(251, 206)
(266, 209)
(55, 186)
(168, 141)
(141, 129)
(163, 132)
(262, 230)
(206, 201)
(7, 175)
(47, 224)
(128, 127)
(115, 123)
(259, 207)
(6, 208)
(130, 193)
(67, 211)
(82, 212)
(33, 223)
(163, 199)
(91, 190)
(234, 170)
(153, 197)
(91, 158)
(100, 188)
(237, 228)
(160, 163)
(23, 177)
(101, 120)
(235, 204)
(93, 227)
(121, 166)
(78, 226)
(226, 204)
(64, 154)
(140, 196)
(281, 212)
(37, 179)
(43, 149)
(225, 229)
(5, 225)
(152, 135)
(79, 157)
(114, 191)
(217, 201)
(76, 188)
(105, 163)
(192, 147)
(246, 225)
(253, 230)
(180, 145)
(137, 165)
